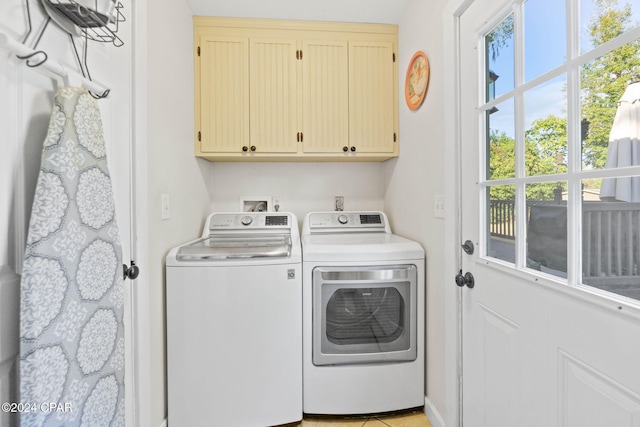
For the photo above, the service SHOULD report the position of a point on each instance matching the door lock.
(465, 279)
(468, 247)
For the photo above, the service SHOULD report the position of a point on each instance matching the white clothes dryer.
(234, 323)
(363, 315)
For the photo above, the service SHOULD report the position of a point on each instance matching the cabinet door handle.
(353, 148)
(253, 148)
(345, 148)
(245, 148)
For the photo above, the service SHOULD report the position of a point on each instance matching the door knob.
(465, 279)
(130, 272)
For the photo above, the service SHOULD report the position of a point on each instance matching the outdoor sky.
(545, 49)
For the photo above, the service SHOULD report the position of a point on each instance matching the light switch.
(165, 206)
(438, 206)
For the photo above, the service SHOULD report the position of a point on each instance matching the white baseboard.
(433, 414)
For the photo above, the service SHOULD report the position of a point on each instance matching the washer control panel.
(248, 220)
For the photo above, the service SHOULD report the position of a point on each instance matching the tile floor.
(407, 419)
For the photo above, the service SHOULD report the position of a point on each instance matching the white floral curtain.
(71, 330)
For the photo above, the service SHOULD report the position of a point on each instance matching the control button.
(343, 219)
(246, 220)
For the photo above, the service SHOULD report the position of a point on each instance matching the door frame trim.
(453, 11)
(140, 304)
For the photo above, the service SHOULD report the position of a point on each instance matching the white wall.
(378, 11)
(301, 187)
(171, 166)
(417, 175)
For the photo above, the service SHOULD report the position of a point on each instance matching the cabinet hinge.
(198, 50)
(199, 136)
(394, 57)
(395, 137)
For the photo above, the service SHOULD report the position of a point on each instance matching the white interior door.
(539, 346)
(117, 116)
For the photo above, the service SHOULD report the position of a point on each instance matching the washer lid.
(236, 247)
(350, 247)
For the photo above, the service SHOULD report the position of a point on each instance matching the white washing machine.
(234, 323)
(363, 315)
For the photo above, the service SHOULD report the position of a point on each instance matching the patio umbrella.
(624, 148)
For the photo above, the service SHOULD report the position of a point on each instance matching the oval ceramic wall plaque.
(417, 80)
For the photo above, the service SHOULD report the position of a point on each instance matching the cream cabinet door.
(224, 94)
(325, 80)
(372, 97)
(273, 99)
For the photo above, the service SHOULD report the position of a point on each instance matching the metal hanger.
(84, 66)
(78, 21)
(41, 53)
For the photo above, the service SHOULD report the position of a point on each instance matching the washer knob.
(246, 220)
(343, 219)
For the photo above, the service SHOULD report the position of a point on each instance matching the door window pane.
(499, 48)
(545, 34)
(606, 87)
(611, 239)
(502, 222)
(601, 21)
(546, 128)
(547, 227)
(501, 133)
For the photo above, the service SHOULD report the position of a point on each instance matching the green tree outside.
(604, 80)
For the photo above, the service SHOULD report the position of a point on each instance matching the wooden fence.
(610, 237)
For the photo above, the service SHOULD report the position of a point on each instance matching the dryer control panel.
(323, 222)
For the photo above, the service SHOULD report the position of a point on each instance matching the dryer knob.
(343, 219)
(246, 220)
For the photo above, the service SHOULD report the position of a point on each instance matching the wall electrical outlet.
(339, 203)
(438, 206)
(165, 206)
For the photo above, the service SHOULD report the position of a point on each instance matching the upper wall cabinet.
(295, 91)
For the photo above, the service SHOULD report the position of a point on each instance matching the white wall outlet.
(165, 206)
(438, 206)
(276, 204)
